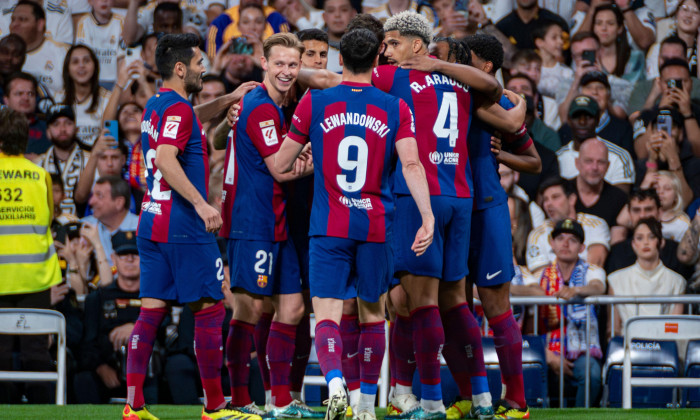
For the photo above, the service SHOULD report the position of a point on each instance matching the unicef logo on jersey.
(448, 158)
(436, 157)
(362, 203)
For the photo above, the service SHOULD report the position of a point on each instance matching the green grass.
(73, 412)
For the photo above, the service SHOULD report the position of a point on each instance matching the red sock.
(402, 351)
(350, 333)
(371, 347)
(280, 351)
(509, 346)
(392, 358)
(428, 340)
(302, 350)
(463, 350)
(262, 332)
(210, 357)
(329, 347)
(139, 353)
(238, 346)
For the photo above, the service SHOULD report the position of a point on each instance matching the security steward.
(28, 261)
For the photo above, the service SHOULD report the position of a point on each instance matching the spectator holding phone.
(585, 58)
(668, 149)
(451, 18)
(673, 89)
(82, 92)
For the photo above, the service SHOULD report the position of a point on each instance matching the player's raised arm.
(210, 110)
(471, 76)
(318, 79)
(507, 121)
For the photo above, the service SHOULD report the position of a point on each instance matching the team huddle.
(393, 169)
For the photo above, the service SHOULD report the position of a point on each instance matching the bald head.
(592, 162)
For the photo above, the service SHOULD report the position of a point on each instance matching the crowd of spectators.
(613, 105)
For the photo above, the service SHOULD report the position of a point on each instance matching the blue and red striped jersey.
(442, 108)
(253, 202)
(166, 216)
(353, 129)
(487, 183)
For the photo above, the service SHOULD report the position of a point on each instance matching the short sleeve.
(263, 128)
(301, 121)
(618, 174)
(383, 77)
(537, 255)
(176, 126)
(598, 235)
(407, 127)
(528, 277)
(519, 141)
(595, 273)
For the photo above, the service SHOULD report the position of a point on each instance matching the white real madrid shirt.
(104, 40)
(46, 64)
(59, 17)
(621, 170)
(539, 251)
(89, 124)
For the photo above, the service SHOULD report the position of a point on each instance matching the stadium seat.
(649, 359)
(21, 321)
(691, 396)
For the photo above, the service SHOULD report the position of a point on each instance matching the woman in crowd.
(647, 276)
(687, 22)
(82, 91)
(616, 55)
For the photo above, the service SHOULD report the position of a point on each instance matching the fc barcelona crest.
(262, 280)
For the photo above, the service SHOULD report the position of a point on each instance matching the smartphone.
(130, 57)
(113, 127)
(241, 46)
(461, 6)
(675, 83)
(72, 230)
(664, 122)
(588, 55)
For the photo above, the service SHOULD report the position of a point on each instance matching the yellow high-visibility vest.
(28, 260)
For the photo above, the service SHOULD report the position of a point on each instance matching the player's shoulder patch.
(269, 133)
(171, 128)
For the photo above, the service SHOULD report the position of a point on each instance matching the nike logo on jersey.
(489, 276)
(410, 362)
(350, 356)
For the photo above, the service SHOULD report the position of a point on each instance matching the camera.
(241, 46)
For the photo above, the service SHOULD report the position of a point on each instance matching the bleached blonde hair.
(410, 23)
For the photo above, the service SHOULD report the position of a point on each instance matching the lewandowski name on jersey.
(354, 118)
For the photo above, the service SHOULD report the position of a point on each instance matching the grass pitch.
(74, 412)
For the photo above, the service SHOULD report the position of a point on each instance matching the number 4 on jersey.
(448, 109)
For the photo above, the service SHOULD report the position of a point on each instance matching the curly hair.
(457, 52)
(487, 48)
(410, 23)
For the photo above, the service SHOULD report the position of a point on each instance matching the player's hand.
(119, 336)
(496, 146)
(421, 63)
(424, 237)
(108, 375)
(241, 90)
(210, 216)
(232, 115)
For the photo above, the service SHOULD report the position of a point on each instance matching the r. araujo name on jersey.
(442, 110)
(166, 216)
(352, 128)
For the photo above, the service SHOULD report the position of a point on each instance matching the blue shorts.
(263, 267)
(446, 257)
(343, 268)
(181, 272)
(301, 245)
(491, 252)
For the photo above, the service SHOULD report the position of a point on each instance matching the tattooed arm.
(688, 247)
